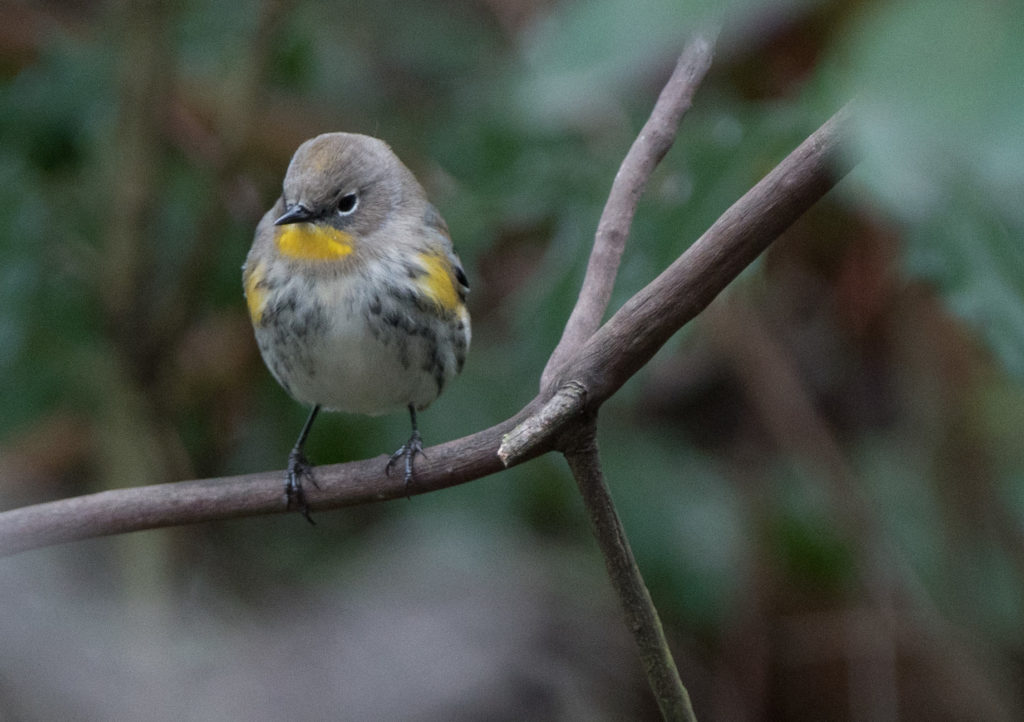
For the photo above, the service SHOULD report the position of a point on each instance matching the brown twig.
(613, 354)
(190, 502)
(644, 323)
(567, 402)
(647, 320)
(651, 145)
(641, 615)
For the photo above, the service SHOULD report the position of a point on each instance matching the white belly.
(355, 371)
(342, 355)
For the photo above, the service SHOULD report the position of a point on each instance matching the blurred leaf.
(585, 56)
(50, 116)
(940, 109)
(810, 545)
(693, 549)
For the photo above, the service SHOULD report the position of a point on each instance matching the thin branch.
(622, 346)
(188, 502)
(641, 615)
(651, 145)
(567, 402)
(646, 321)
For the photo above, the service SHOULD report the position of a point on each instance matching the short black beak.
(296, 214)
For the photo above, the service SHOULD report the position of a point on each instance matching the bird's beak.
(298, 213)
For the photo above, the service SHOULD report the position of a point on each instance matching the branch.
(646, 321)
(613, 354)
(641, 615)
(654, 141)
(568, 401)
(188, 502)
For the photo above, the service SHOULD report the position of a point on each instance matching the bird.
(355, 292)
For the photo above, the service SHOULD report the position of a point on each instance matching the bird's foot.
(294, 496)
(407, 451)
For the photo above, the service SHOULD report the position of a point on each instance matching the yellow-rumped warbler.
(355, 293)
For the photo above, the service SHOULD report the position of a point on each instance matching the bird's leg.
(298, 467)
(408, 450)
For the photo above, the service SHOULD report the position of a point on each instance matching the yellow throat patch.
(312, 242)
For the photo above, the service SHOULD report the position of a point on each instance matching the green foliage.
(939, 115)
(516, 125)
(49, 115)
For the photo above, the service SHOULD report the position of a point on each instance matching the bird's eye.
(347, 204)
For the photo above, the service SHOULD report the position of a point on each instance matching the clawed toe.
(294, 496)
(408, 451)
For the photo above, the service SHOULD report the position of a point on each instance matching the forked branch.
(651, 145)
(612, 354)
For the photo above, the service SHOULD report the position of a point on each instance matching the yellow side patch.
(255, 295)
(312, 242)
(438, 283)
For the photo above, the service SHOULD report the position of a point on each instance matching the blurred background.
(822, 476)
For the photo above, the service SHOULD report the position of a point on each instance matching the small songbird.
(356, 295)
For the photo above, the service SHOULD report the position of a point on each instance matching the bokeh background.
(822, 476)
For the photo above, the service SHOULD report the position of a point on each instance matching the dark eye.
(347, 203)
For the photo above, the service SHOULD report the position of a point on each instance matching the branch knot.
(541, 430)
